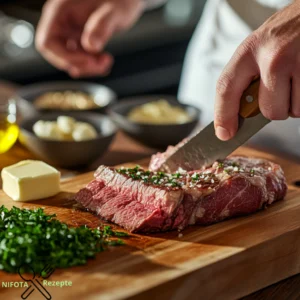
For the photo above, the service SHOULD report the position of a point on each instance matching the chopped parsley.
(176, 175)
(156, 178)
(195, 177)
(34, 237)
(174, 180)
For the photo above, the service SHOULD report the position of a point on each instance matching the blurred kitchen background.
(148, 58)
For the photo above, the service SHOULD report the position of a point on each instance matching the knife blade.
(205, 148)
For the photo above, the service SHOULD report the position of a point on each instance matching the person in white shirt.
(234, 42)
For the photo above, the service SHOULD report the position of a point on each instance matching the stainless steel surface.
(205, 148)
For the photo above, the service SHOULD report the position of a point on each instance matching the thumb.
(99, 28)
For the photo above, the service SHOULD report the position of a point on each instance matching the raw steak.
(144, 201)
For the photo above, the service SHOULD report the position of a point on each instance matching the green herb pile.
(32, 237)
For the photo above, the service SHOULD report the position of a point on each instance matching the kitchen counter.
(124, 149)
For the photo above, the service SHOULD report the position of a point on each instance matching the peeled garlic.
(38, 128)
(66, 124)
(64, 129)
(83, 131)
(47, 130)
(52, 131)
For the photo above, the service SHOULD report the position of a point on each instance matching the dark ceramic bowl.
(104, 96)
(69, 154)
(157, 136)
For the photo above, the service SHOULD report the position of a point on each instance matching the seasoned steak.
(120, 197)
(144, 201)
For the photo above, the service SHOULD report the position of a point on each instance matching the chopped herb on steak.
(175, 180)
(156, 178)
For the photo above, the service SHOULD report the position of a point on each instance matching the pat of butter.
(30, 180)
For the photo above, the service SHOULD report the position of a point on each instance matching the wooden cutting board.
(223, 261)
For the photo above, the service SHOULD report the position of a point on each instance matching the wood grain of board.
(227, 260)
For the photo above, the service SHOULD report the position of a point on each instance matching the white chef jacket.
(223, 26)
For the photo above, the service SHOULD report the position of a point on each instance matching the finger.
(48, 24)
(274, 91)
(101, 66)
(99, 28)
(62, 47)
(295, 97)
(64, 59)
(50, 39)
(235, 78)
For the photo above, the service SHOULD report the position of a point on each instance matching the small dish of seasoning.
(67, 96)
(155, 120)
(67, 100)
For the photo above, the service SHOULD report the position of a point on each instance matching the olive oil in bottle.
(9, 133)
(9, 130)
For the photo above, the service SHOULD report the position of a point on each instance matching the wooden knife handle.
(249, 102)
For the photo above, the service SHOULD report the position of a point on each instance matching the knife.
(205, 148)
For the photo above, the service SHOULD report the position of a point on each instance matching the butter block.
(30, 180)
